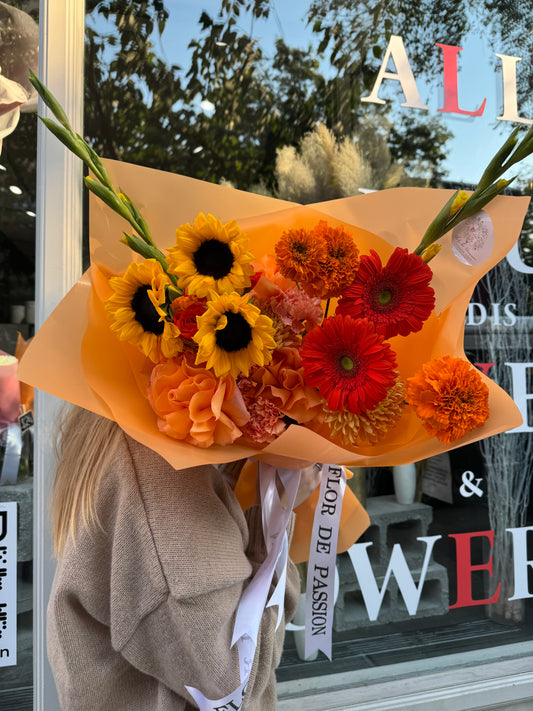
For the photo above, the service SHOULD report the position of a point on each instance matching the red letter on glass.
(451, 98)
(465, 569)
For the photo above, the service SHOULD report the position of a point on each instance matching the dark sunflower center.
(236, 335)
(213, 258)
(385, 297)
(145, 312)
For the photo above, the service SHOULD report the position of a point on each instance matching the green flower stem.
(148, 252)
(494, 168)
(490, 185)
(101, 184)
(50, 101)
(435, 230)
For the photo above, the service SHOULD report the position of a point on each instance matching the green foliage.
(357, 33)
(130, 92)
(420, 146)
(140, 109)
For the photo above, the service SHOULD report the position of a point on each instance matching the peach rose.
(282, 382)
(194, 406)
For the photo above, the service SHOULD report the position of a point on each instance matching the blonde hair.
(86, 446)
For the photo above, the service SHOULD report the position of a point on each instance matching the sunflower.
(349, 363)
(371, 426)
(233, 335)
(136, 310)
(397, 298)
(299, 254)
(210, 256)
(450, 397)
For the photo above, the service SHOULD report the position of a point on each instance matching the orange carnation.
(194, 406)
(282, 382)
(450, 397)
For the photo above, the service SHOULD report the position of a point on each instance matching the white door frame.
(484, 685)
(57, 267)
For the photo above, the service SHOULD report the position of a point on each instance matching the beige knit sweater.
(146, 606)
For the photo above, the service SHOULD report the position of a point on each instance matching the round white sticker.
(473, 239)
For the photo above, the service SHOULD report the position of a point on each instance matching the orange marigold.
(340, 265)
(450, 397)
(299, 254)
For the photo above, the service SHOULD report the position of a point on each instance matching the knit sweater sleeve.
(146, 604)
(207, 550)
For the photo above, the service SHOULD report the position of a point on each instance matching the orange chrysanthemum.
(340, 265)
(371, 426)
(299, 254)
(450, 397)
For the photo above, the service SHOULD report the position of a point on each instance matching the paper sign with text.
(8, 584)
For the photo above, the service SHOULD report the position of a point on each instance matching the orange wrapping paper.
(91, 368)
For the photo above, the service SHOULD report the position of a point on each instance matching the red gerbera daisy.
(397, 298)
(349, 363)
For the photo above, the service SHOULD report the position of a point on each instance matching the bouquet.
(271, 330)
(265, 329)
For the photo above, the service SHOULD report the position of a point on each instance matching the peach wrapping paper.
(76, 357)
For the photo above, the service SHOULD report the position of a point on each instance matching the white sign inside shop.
(8, 584)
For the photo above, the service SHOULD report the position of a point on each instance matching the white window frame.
(488, 684)
(57, 267)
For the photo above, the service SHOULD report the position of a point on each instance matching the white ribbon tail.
(231, 701)
(278, 596)
(320, 596)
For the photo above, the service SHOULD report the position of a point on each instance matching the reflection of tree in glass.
(508, 457)
(140, 109)
(325, 169)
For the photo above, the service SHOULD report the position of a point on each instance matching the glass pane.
(312, 101)
(18, 133)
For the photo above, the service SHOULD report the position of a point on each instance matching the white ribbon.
(13, 449)
(320, 594)
(254, 599)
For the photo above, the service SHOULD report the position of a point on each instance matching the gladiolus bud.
(460, 200)
(430, 252)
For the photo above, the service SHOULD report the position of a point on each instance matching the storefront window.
(18, 132)
(314, 101)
